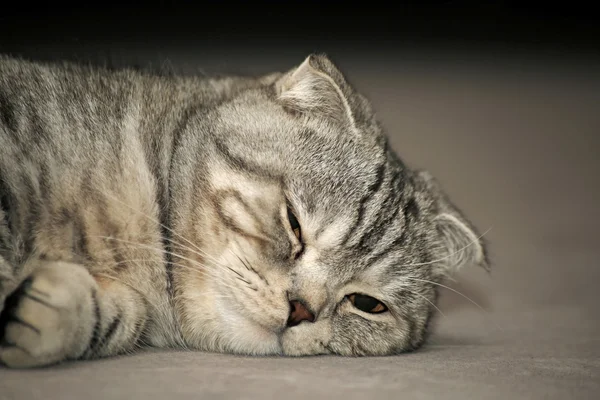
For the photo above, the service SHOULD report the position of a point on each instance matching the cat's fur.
(139, 209)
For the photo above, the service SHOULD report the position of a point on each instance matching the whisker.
(195, 249)
(242, 280)
(200, 253)
(169, 301)
(163, 251)
(449, 255)
(454, 291)
(261, 276)
(142, 245)
(149, 218)
(217, 294)
(247, 265)
(199, 270)
(206, 270)
(427, 300)
(242, 261)
(252, 288)
(239, 276)
(156, 306)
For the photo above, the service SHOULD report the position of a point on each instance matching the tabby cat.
(260, 216)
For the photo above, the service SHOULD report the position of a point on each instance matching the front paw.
(307, 339)
(49, 318)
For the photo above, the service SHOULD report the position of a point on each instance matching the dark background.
(95, 31)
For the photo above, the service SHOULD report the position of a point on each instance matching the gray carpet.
(515, 142)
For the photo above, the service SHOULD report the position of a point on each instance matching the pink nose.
(299, 313)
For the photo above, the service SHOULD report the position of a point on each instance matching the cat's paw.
(307, 339)
(49, 318)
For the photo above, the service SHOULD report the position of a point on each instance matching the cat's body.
(141, 209)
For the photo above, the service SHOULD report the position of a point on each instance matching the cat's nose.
(299, 313)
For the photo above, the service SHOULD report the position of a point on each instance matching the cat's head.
(304, 232)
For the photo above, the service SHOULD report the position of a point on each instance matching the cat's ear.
(459, 242)
(317, 87)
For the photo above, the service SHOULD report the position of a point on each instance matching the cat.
(261, 215)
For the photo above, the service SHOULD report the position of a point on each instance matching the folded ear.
(317, 87)
(459, 242)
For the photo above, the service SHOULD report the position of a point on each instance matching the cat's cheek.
(307, 339)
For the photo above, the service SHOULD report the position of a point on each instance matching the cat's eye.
(294, 224)
(367, 304)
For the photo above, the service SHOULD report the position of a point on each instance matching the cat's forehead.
(345, 243)
(378, 238)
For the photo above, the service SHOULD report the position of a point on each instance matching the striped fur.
(139, 209)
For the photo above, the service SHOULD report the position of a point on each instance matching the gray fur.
(139, 209)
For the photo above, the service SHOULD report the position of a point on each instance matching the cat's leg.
(62, 312)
